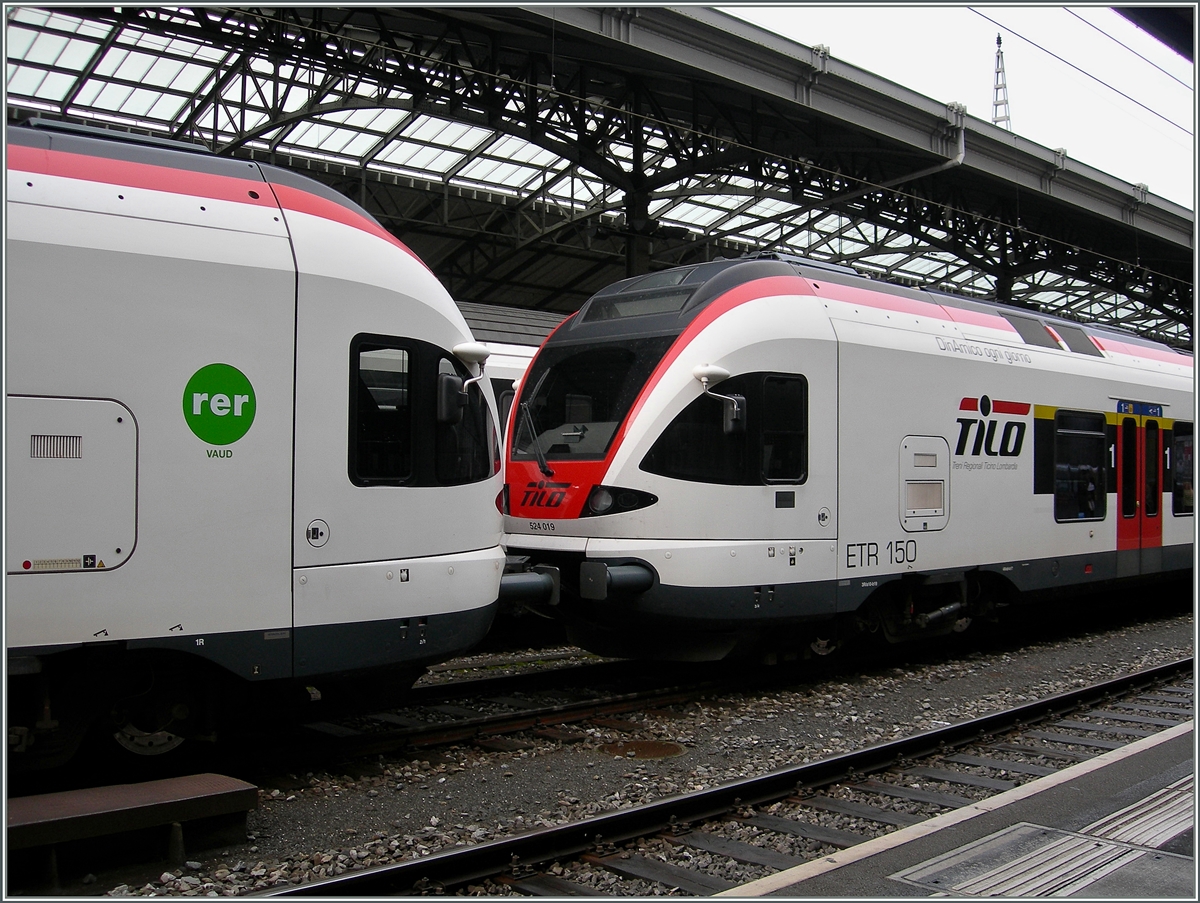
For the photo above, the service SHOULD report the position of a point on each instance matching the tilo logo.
(544, 494)
(1012, 434)
(218, 404)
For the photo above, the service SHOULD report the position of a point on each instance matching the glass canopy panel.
(53, 21)
(360, 145)
(441, 132)
(56, 50)
(509, 147)
(498, 173)
(421, 159)
(29, 82)
(166, 109)
(112, 97)
(322, 135)
(295, 96)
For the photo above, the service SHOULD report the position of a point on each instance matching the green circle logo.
(218, 404)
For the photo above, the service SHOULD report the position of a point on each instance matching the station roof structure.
(533, 155)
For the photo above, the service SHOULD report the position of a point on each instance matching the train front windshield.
(577, 395)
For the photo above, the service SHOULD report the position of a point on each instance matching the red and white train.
(765, 454)
(250, 452)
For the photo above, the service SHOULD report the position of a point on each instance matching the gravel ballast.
(390, 809)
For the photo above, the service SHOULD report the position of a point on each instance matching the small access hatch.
(924, 483)
(72, 484)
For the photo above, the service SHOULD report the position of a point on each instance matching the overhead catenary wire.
(1130, 49)
(1095, 78)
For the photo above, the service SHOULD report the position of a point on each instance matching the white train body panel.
(128, 272)
(930, 433)
(111, 289)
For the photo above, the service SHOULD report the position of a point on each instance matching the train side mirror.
(709, 374)
(735, 414)
(733, 406)
(451, 399)
(471, 352)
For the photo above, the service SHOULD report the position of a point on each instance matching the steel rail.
(511, 722)
(465, 864)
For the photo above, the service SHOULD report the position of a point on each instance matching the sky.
(1066, 69)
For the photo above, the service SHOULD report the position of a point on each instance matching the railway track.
(785, 817)
(485, 710)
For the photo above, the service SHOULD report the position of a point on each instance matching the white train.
(759, 455)
(249, 448)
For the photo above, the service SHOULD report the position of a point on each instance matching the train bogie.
(751, 455)
(226, 460)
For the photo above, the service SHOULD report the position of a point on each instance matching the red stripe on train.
(150, 177)
(1017, 408)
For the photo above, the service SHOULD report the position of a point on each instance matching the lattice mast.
(1000, 92)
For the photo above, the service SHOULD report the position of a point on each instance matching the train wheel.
(822, 646)
(145, 743)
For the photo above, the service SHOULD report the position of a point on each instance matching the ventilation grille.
(56, 446)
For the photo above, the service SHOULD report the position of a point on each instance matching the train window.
(1181, 468)
(380, 414)
(1077, 340)
(773, 449)
(576, 396)
(656, 293)
(467, 451)
(783, 426)
(395, 437)
(1031, 330)
(1153, 493)
(1129, 487)
(637, 304)
(1080, 492)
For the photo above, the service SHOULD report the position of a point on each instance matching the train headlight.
(613, 500)
(600, 501)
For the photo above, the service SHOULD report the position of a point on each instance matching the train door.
(1138, 456)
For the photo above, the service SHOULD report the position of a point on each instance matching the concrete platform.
(1121, 826)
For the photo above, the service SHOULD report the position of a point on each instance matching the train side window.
(695, 446)
(380, 413)
(784, 420)
(1129, 486)
(505, 402)
(1181, 467)
(773, 448)
(467, 451)
(1080, 491)
(1153, 492)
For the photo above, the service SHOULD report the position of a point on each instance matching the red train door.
(1139, 459)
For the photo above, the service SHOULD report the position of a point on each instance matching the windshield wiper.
(537, 446)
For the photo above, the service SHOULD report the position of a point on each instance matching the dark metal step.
(51, 818)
